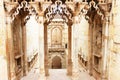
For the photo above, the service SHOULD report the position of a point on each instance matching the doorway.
(56, 63)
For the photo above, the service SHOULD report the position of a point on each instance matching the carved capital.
(105, 8)
(70, 23)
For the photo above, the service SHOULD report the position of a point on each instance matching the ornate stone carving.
(93, 8)
(24, 8)
(58, 8)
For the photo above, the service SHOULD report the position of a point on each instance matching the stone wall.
(32, 29)
(3, 55)
(114, 42)
(32, 41)
(79, 43)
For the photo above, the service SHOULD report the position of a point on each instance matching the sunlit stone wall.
(79, 40)
(114, 61)
(32, 29)
(3, 57)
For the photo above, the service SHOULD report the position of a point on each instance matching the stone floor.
(3, 68)
(32, 75)
(58, 74)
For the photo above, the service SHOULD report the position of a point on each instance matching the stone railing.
(82, 61)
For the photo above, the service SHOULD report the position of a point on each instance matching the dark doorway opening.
(56, 63)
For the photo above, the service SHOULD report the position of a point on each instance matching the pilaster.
(105, 50)
(24, 50)
(9, 49)
(46, 64)
(69, 67)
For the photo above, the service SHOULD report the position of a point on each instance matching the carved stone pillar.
(90, 47)
(46, 64)
(106, 8)
(9, 49)
(105, 52)
(69, 67)
(24, 49)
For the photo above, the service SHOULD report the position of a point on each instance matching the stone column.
(75, 48)
(46, 64)
(105, 52)
(9, 48)
(69, 67)
(41, 44)
(24, 50)
(90, 48)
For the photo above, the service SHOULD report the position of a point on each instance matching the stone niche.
(18, 64)
(97, 44)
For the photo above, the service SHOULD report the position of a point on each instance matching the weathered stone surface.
(87, 41)
(3, 57)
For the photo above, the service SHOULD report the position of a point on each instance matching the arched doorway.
(65, 15)
(56, 63)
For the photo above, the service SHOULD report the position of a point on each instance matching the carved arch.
(91, 8)
(58, 7)
(23, 8)
(56, 62)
